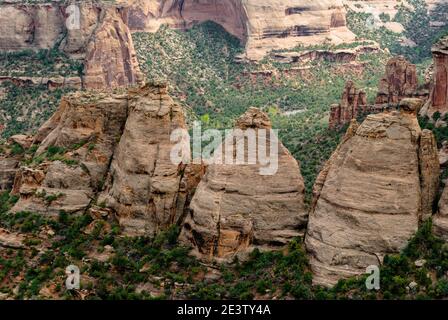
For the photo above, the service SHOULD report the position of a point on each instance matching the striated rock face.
(438, 100)
(143, 183)
(429, 172)
(236, 209)
(111, 152)
(262, 25)
(400, 81)
(372, 193)
(353, 101)
(29, 27)
(111, 61)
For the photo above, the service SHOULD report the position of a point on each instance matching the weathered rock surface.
(82, 134)
(353, 101)
(100, 38)
(111, 60)
(399, 82)
(236, 209)
(438, 99)
(110, 153)
(440, 219)
(8, 168)
(331, 55)
(371, 194)
(143, 183)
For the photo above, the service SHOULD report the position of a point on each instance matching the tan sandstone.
(236, 209)
(371, 196)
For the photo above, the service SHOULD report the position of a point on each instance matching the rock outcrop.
(353, 102)
(111, 60)
(372, 193)
(399, 82)
(143, 183)
(438, 99)
(236, 209)
(111, 152)
(72, 161)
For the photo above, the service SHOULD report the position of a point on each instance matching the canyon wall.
(262, 25)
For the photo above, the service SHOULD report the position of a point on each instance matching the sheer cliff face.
(262, 25)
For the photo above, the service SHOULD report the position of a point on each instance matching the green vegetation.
(24, 108)
(418, 30)
(43, 63)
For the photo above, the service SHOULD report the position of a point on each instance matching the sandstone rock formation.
(262, 25)
(143, 183)
(353, 101)
(328, 55)
(440, 219)
(111, 61)
(236, 209)
(438, 99)
(400, 81)
(371, 194)
(111, 152)
(78, 143)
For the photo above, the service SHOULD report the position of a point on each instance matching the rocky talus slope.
(117, 144)
(438, 100)
(373, 192)
(236, 209)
